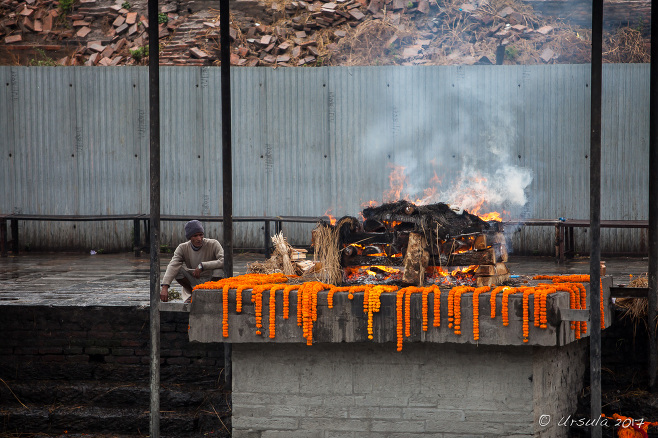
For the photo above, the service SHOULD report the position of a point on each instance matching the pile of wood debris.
(305, 33)
(285, 259)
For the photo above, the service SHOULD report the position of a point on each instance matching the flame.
(492, 216)
(392, 224)
(428, 195)
(458, 276)
(466, 270)
(367, 274)
(332, 220)
(382, 268)
(396, 181)
(435, 179)
(379, 254)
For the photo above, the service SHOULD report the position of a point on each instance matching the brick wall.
(370, 390)
(96, 342)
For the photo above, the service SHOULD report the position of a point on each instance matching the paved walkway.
(67, 279)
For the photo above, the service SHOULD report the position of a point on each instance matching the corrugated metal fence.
(311, 140)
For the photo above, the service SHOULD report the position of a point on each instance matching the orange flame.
(332, 220)
(382, 268)
(396, 181)
(492, 216)
(392, 224)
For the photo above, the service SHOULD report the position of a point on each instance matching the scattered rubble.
(304, 33)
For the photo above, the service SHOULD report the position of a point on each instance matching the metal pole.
(154, 156)
(595, 218)
(653, 202)
(227, 173)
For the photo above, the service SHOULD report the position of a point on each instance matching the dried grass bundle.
(637, 309)
(278, 262)
(270, 266)
(282, 249)
(325, 240)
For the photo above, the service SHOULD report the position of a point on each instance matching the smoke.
(471, 170)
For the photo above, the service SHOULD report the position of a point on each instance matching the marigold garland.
(457, 307)
(286, 300)
(399, 315)
(577, 279)
(407, 305)
(583, 305)
(300, 305)
(492, 300)
(526, 298)
(426, 292)
(225, 311)
(476, 310)
(272, 309)
(332, 291)
(543, 322)
(238, 297)
(374, 303)
(307, 311)
(536, 306)
(601, 306)
(451, 307)
(507, 291)
(257, 299)
(437, 306)
(249, 280)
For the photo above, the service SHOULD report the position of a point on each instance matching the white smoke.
(471, 169)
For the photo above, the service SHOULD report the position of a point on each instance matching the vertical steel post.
(595, 217)
(653, 201)
(14, 236)
(227, 172)
(154, 156)
(267, 241)
(3, 237)
(137, 239)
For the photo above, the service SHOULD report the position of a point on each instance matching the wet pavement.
(70, 279)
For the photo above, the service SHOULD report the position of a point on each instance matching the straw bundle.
(278, 262)
(636, 309)
(325, 240)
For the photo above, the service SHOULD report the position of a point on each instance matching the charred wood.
(486, 257)
(490, 256)
(438, 219)
(374, 226)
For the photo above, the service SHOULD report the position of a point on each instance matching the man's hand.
(164, 293)
(197, 273)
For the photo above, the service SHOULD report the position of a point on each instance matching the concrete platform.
(74, 279)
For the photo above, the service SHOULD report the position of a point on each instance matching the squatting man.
(194, 262)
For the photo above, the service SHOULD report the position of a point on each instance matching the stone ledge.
(346, 321)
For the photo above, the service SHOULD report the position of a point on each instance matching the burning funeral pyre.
(404, 243)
